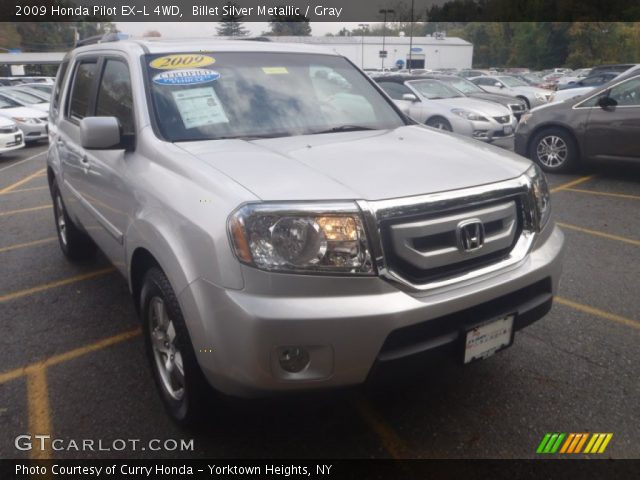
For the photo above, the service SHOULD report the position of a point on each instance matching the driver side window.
(627, 93)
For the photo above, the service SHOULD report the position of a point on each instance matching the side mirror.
(607, 102)
(498, 84)
(409, 97)
(100, 133)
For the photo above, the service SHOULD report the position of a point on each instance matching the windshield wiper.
(344, 128)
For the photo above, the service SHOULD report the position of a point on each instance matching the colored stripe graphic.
(573, 443)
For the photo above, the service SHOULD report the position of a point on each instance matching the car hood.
(6, 122)
(368, 165)
(530, 90)
(24, 112)
(494, 97)
(491, 109)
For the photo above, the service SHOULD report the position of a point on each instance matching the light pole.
(384, 11)
(411, 40)
(363, 27)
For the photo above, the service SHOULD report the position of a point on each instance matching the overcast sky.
(207, 29)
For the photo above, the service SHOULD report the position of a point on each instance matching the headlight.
(301, 238)
(524, 118)
(541, 196)
(25, 120)
(469, 115)
(542, 96)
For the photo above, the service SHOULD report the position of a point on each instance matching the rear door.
(78, 104)
(614, 132)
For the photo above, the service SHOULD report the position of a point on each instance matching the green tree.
(297, 25)
(231, 25)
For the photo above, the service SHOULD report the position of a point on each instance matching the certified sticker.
(179, 61)
(186, 77)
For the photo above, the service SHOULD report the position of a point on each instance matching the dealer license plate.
(485, 340)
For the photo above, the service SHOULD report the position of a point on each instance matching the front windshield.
(435, 90)
(24, 97)
(204, 96)
(8, 103)
(465, 86)
(513, 82)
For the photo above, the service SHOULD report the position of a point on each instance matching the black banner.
(319, 10)
(322, 469)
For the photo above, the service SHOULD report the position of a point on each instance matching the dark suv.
(602, 125)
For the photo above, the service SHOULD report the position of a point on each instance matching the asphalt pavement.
(72, 363)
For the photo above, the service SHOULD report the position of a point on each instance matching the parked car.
(25, 99)
(591, 81)
(279, 235)
(507, 85)
(531, 79)
(11, 137)
(573, 77)
(32, 123)
(602, 125)
(470, 89)
(585, 88)
(438, 105)
(472, 73)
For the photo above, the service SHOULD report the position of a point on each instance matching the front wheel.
(180, 382)
(554, 150)
(439, 123)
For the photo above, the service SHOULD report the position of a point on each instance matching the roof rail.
(107, 37)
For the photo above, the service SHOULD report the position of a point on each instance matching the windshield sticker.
(174, 62)
(186, 77)
(275, 70)
(199, 107)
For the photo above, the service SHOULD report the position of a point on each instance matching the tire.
(439, 123)
(555, 150)
(526, 102)
(183, 389)
(74, 243)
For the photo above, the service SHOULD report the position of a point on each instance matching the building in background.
(427, 52)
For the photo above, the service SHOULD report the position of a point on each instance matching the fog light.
(293, 359)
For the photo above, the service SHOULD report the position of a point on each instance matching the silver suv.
(282, 225)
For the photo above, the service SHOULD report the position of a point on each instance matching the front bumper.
(485, 131)
(347, 324)
(11, 141)
(34, 131)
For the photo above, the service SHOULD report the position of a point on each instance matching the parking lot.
(72, 361)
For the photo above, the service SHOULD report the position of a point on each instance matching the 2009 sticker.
(179, 61)
(186, 77)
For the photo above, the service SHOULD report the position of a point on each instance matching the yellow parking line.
(389, 438)
(8, 248)
(22, 161)
(58, 283)
(39, 410)
(20, 190)
(24, 210)
(70, 355)
(605, 194)
(598, 233)
(21, 182)
(572, 183)
(598, 313)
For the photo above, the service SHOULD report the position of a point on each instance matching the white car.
(11, 137)
(33, 123)
(436, 104)
(24, 98)
(514, 87)
(573, 77)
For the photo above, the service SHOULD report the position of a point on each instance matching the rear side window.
(114, 95)
(81, 90)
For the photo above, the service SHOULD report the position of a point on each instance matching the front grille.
(503, 119)
(11, 129)
(426, 247)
